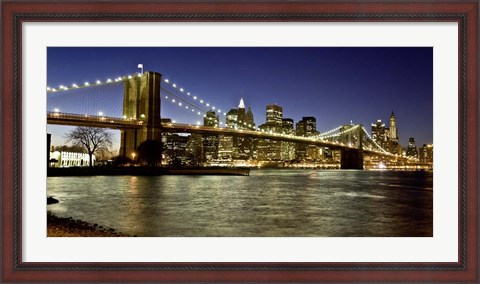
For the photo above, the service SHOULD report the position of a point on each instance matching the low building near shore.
(69, 159)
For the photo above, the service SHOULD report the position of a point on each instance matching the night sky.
(335, 85)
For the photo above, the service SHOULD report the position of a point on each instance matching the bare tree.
(91, 138)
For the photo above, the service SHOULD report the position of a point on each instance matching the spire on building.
(392, 115)
(241, 105)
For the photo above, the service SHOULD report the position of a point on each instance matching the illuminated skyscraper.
(211, 119)
(241, 115)
(194, 149)
(269, 149)
(226, 147)
(380, 134)
(233, 146)
(288, 148)
(274, 115)
(393, 144)
(425, 154)
(393, 135)
(307, 127)
(412, 148)
(210, 142)
(232, 118)
(249, 118)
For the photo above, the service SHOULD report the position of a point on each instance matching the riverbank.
(146, 171)
(68, 227)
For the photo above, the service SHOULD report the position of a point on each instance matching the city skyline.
(337, 97)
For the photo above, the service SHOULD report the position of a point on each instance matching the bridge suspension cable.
(330, 131)
(373, 141)
(105, 99)
(196, 98)
(89, 84)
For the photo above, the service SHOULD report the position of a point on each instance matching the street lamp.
(133, 157)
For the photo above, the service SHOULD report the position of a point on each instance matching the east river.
(273, 203)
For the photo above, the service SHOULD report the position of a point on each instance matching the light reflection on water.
(280, 203)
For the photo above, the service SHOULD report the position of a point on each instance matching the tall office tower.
(287, 126)
(176, 146)
(426, 153)
(241, 115)
(300, 148)
(233, 146)
(210, 142)
(232, 118)
(249, 118)
(194, 149)
(412, 148)
(394, 146)
(211, 119)
(307, 127)
(310, 126)
(379, 134)
(393, 128)
(244, 145)
(226, 147)
(300, 129)
(269, 149)
(287, 148)
(274, 115)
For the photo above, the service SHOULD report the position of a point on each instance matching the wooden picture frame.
(15, 13)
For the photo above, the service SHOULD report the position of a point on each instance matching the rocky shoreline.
(68, 227)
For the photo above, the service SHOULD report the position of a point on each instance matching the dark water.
(280, 203)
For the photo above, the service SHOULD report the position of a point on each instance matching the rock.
(51, 200)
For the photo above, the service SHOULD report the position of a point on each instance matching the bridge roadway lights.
(352, 159)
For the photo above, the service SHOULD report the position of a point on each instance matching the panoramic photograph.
(239, 141)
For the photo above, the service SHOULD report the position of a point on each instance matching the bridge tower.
(352, 158)
(141, 101)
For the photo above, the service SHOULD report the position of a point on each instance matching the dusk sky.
(335, 85)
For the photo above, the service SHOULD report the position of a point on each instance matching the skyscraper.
(274, 115)
(425, 154)
(288, 148)
(393, 135)
(194, 149)
(233, 146)
(244, 118)
(412, 148)
(307, 127)
(211, 119)
(249, 118)
(210, 142)
(380, 134)
(226, 147)
(241, 115)
(393, 144)
(232, 118)
(269, 149)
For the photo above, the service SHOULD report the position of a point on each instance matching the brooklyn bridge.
(140, 119)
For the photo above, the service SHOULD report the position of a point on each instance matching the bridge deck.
(121, 123)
